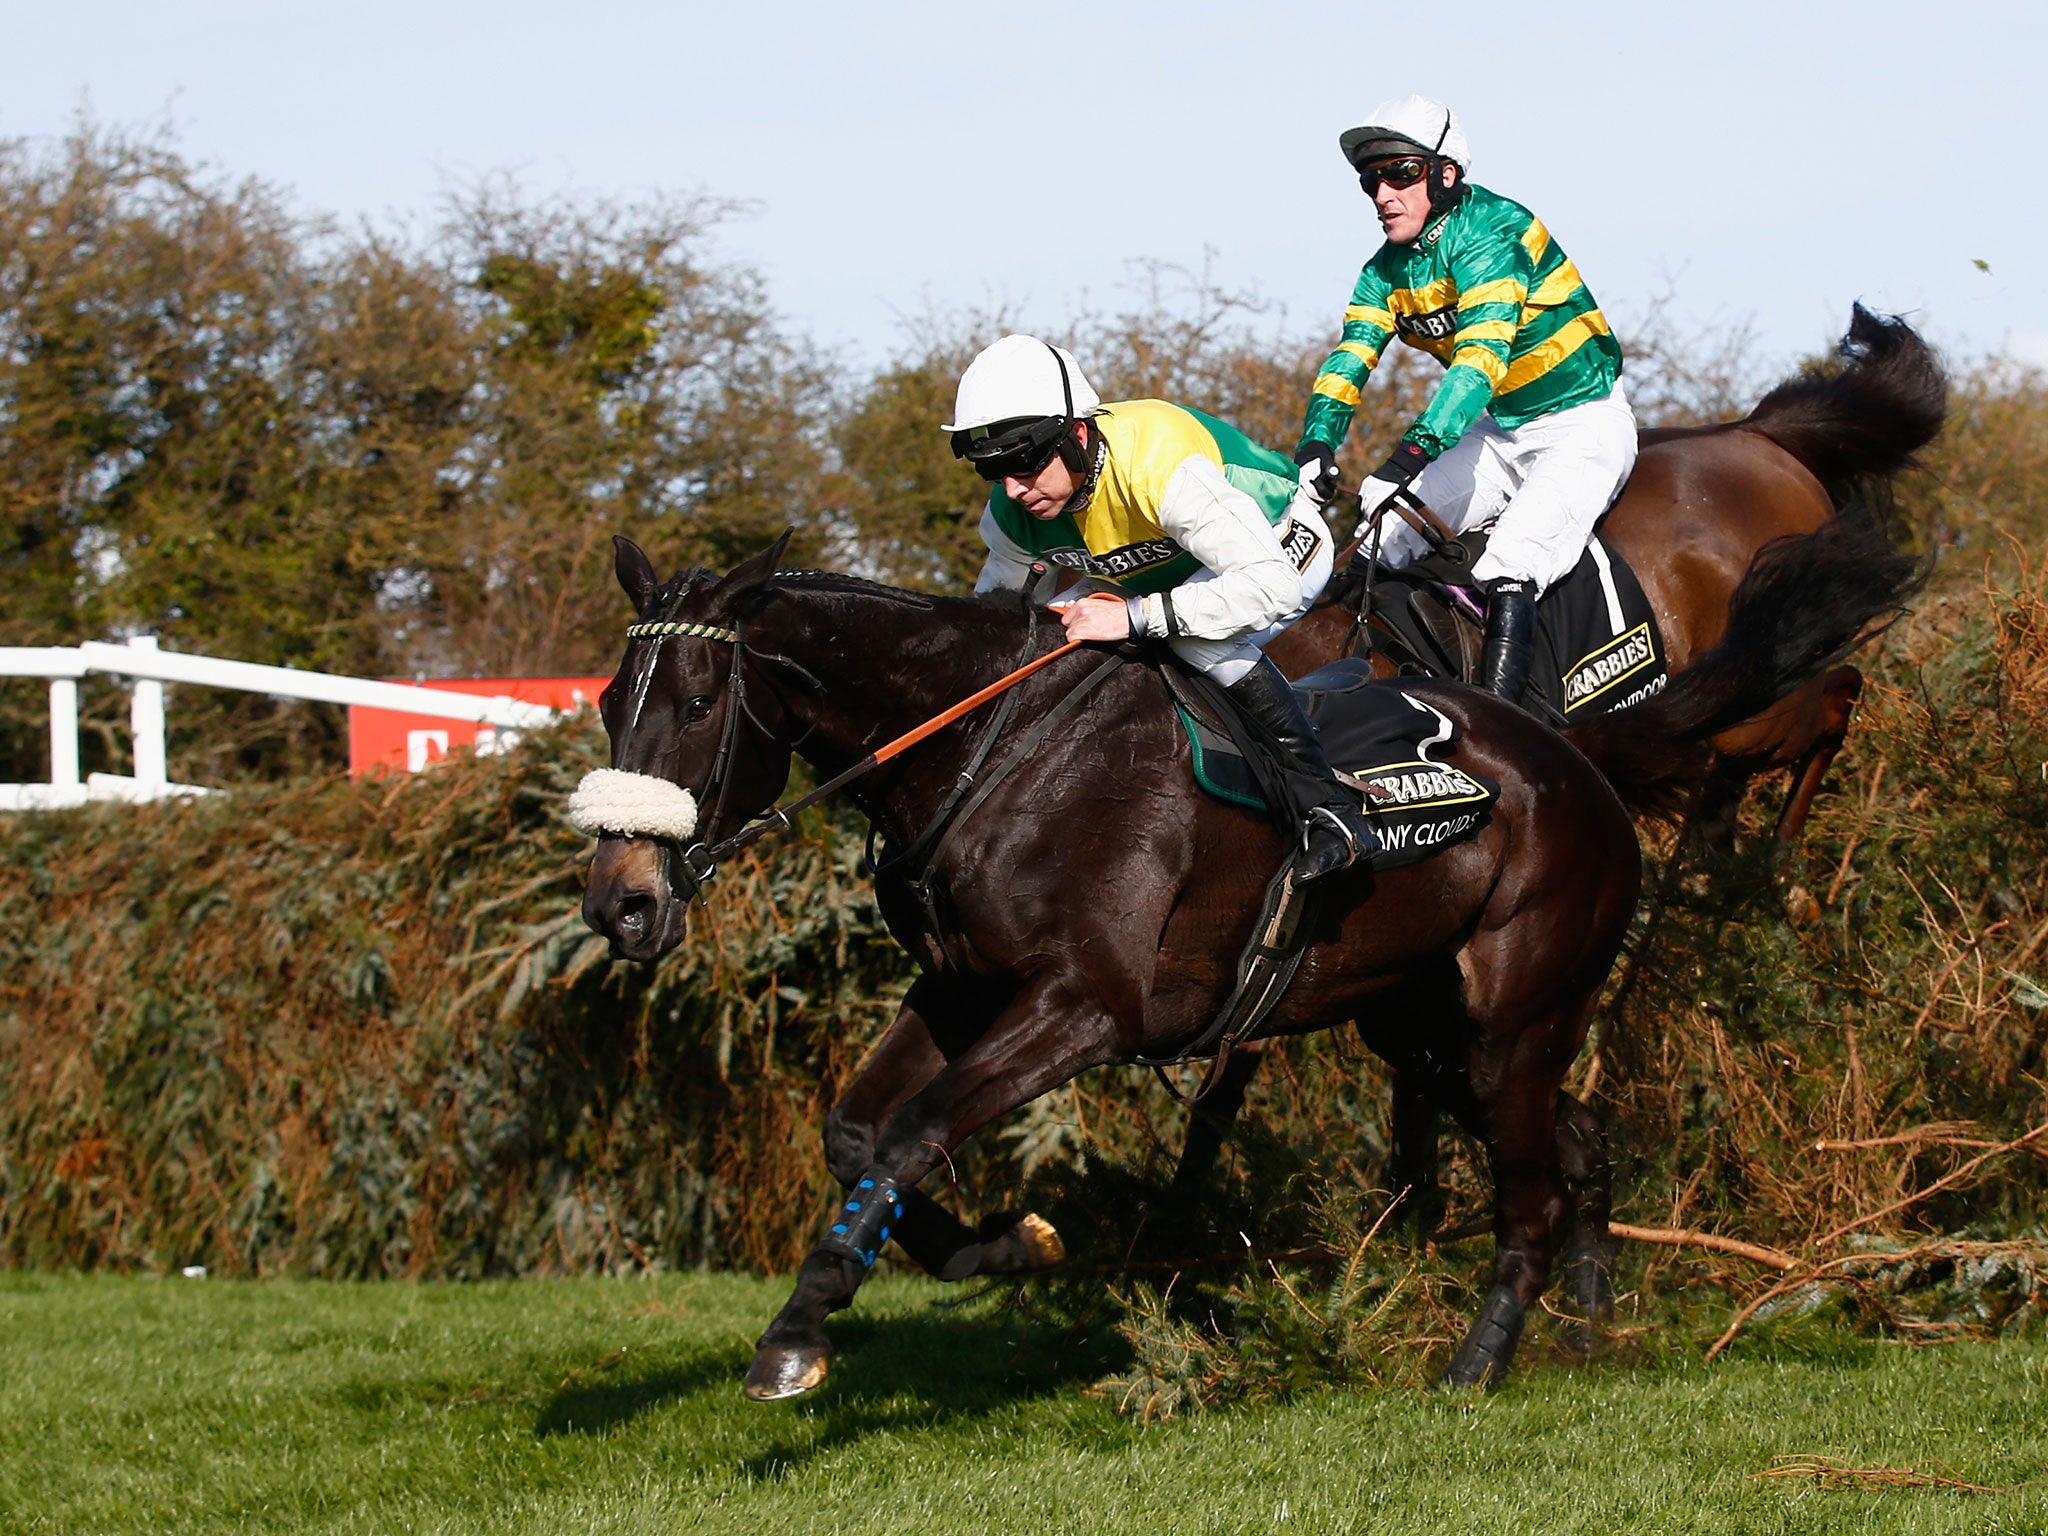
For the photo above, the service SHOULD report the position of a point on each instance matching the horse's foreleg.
(1209, 1124)
(940, 1018)
(1412, 1159)
(1044, 1038)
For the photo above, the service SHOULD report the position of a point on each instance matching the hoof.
(783, 1370)
(1488, 1350)
(1041, 1240)
(1010, 1245)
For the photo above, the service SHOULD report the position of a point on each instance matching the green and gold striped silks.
(1487, 293)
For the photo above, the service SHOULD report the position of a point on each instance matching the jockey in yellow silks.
(1207, 536)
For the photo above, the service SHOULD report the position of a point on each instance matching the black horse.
(1090, 910)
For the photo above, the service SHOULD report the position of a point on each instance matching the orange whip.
(780, 818)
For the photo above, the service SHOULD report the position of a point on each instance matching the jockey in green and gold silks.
(1189, 533)
(1115, 535)
(1487, 293)
(1530, 434)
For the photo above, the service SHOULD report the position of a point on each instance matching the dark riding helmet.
(1413, 125)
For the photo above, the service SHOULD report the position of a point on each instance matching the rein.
(700, 861)
(1417, 514)
(779, 819)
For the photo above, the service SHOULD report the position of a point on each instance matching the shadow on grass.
(934, 1365)
(595, 1408)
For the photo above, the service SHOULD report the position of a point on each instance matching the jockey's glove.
(1403, 465)
(1318, 464)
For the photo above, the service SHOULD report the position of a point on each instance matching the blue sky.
(1764, 163)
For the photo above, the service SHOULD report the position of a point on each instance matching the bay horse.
(1698, 506)
(1091, 906)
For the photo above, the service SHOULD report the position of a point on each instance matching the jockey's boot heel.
(1336, 833)
(1510, 629)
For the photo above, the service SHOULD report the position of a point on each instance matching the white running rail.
(152, 668)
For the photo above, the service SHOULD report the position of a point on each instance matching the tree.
(241, 431)
(620, 382)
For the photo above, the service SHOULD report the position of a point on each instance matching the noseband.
(621, 803)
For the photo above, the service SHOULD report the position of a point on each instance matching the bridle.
(700, 861)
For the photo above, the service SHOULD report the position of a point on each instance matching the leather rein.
(700, 861)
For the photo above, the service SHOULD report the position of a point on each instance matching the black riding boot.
(1510, 627)
(1337, 832)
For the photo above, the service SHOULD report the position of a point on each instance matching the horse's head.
(700, 745)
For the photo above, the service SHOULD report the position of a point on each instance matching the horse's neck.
(884, 668)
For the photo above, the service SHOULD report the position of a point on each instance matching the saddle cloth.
(1597, 646)
(1391, 743)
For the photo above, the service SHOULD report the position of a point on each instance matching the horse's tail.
(1860, 422)
(1806, 601)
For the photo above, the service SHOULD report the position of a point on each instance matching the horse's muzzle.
(631, 898)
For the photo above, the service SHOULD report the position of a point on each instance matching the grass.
(585, 1405)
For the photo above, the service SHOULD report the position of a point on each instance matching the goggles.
(1021, 448)
(1398, 174)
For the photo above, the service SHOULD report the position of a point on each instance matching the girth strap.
(1264, 972)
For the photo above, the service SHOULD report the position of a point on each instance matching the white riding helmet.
(1020, 378)
(1404, 126)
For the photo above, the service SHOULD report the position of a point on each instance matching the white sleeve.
(1008, 567)
(1253, 583)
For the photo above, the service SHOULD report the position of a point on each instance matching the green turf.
(191, 1406)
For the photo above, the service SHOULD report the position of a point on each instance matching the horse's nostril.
(632, 915)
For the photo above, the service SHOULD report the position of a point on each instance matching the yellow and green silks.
(1487, 293)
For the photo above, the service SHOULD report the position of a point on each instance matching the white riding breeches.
(1229, 660)
(1542, 487)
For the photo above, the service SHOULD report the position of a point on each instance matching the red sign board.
(388, 741)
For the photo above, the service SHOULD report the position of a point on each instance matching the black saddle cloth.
(1393, 744)
(1597, 645)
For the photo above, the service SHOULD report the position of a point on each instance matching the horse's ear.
(636, 571)
(756, 569)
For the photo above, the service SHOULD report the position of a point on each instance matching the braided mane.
(858, 586)
(683, 583)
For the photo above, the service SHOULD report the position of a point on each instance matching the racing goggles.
(1398, 174)
(1019, 448)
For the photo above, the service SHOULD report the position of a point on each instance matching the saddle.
(1391, 745)
(1597, 647)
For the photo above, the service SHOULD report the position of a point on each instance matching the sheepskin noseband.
(631, 805)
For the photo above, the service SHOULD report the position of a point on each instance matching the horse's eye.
(699, 707)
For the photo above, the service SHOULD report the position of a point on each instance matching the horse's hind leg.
(1589, 1256)
(1717, 807)
(1531, 1216)
(1839, 691)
